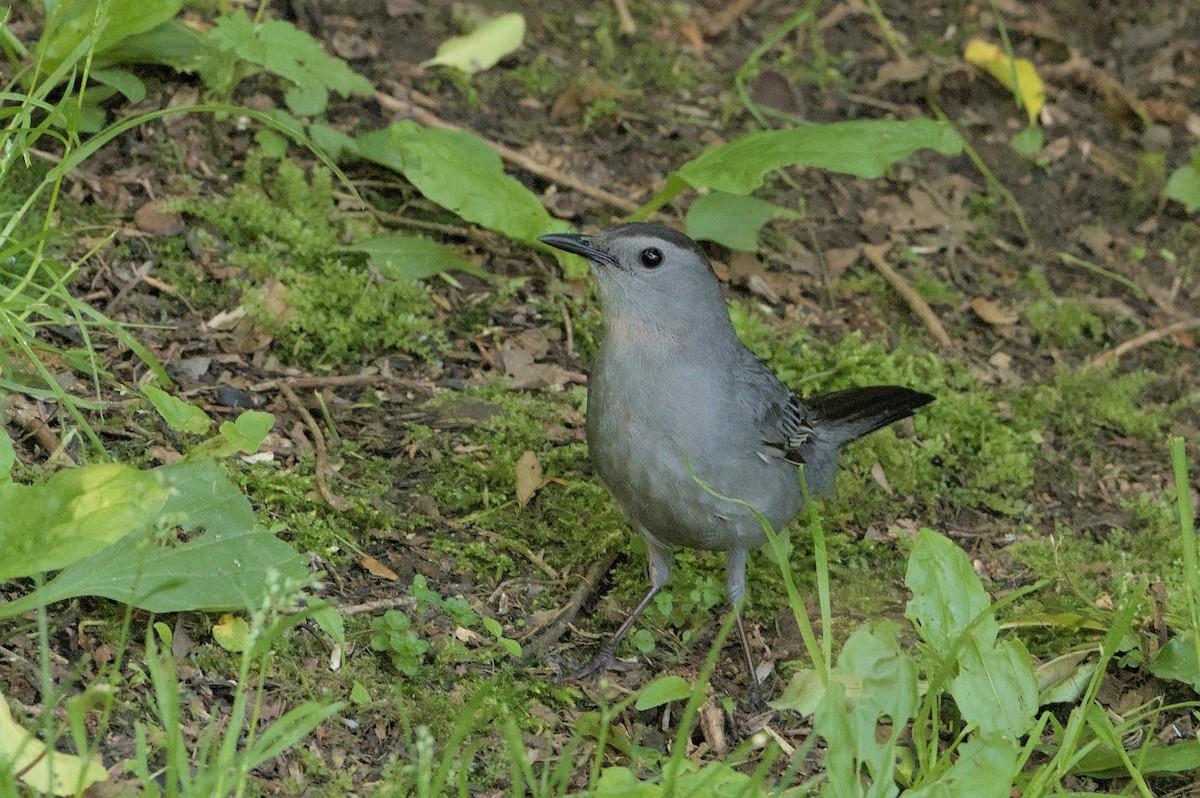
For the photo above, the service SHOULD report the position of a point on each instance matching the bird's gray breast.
(647, 421)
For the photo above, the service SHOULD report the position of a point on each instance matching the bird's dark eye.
(651, 257)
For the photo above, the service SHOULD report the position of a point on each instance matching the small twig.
(1148, 337)
(379, 604)
(558, 627)
(628, 27)
(918, 305)
(429, 119)
(568, 327)
(726, 17)
(321, 466)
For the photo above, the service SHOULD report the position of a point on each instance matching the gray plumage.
(672, 384)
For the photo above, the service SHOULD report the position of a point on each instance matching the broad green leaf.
(985, 768)
(483, 47)
(885, 678)
(455, 169)
(663, 690)
(180, 416)
(947, 593)
(75, 514)
(228, 567)
(866, 148)
(996, 688)
(108, 21)
(172, 43)
(27, 755)
(413, 257)
(803, 693)
(732, 220)
(1103, 762)
(1064, 678)
(1177, 660)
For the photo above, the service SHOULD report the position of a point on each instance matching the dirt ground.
(1123, 82)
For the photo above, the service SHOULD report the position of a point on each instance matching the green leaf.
(180, 416)
(947, 593)
(359, 694)
(125, 82)
(1177, 660)
(8, 457)
(231, 632)
(231, 566)
(282, 49)
(803, 693)
(483, 47)
(458, 171)
(995, 688)
(985, 768)
(413, 257)
(172, 44)
(1103, 762)
(245, 434)
(108, 23)
(75, 514)
(663, 690)
(1184, 186)
(884, 678)
(732, 220)
(862, 148)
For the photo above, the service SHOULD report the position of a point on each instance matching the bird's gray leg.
(660, 571)
(735, 589)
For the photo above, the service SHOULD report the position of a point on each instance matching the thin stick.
(558, 627)
(429, 119)
(628, 26)
(918, 305)
(1148, 337)
(321, 466)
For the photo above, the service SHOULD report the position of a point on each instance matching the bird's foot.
(603, 662)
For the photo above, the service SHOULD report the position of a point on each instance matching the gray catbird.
(673, 387)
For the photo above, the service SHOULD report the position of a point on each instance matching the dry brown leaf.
(880, 477)
(529, 477)
(151, 220)
(993, 313)
(375, 568)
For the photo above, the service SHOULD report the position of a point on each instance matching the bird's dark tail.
(850, 414)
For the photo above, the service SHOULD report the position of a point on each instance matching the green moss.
(322, 304)
(1065, 323)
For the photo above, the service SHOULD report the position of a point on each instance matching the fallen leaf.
(529, 477)
(880, 477)
(150, 219)
(375, 568)
(231, 632)
(25, 757)
(483, 47)
(993, 313)
(992, 60)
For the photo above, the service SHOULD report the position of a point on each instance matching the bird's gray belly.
(645, 467)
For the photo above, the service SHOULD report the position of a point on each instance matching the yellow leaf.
(1017, 75)
(27, 755)
(230, 633)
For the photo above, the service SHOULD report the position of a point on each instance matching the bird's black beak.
(579, 245)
